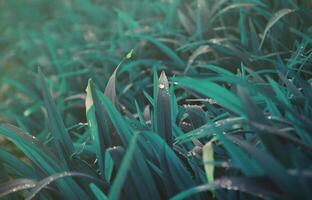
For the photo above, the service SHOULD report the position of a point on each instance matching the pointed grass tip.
(163, 81)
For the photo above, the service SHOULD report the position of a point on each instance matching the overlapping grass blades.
(44, 160)
(230, 119)
(61, 140)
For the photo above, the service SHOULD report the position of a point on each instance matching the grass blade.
(209, 89)
(15, 186)
(98, 193)
(275, 18)
(117, 186)
(163, 109)
(101, 138)
(48, 180)
(208, 158)
(61, 139)
(259, 187)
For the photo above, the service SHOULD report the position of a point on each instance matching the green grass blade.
(163, 110)
(100, 139)
(258, 187)
(48, 180)
(274, 19)
(61, 137)
(98, 193)
(117, 186)
(208, 158)
(15, 186)
(209, 89)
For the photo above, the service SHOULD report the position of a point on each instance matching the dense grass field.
(156, 99)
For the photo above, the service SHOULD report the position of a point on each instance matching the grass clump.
(156, 100)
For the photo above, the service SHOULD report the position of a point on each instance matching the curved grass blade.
(48, 180)
(277, 16)
(228, 8)
(42, 157)
(33, 148)
(15, 186)
(216, 69)
(110, 89)
(165, 49)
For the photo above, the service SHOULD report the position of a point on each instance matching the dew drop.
(236, 126)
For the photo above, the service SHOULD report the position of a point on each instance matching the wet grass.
(156, 99)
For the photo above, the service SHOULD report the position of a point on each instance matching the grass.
(156, 99)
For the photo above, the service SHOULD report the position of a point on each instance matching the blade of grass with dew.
(206, 130)
(32, 148)
(240, 158)
(163, 109)
(254, 114)
(48, 180)
(15, 186)
(221, 95)
(41, 156)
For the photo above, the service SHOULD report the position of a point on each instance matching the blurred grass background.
(262, 46)
(75, 40)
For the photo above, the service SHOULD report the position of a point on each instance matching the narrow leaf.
(208, 160)
(163, 109)
(277, 16)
